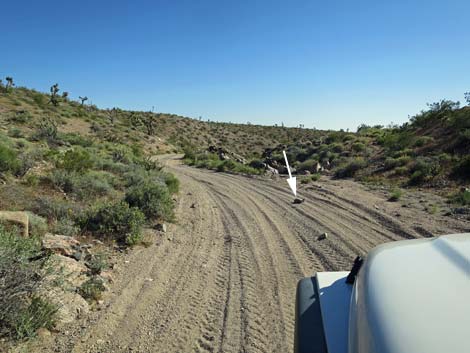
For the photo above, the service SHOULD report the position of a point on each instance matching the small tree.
(112, 114)
(55, 99)
(149, 123)
(83, 99)
(65, 95)
(10, 84)
(467, 97)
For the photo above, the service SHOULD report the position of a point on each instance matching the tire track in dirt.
(226, 282)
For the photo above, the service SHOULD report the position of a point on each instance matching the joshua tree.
(135, 119)
(54, 95)
(83, 99)
(65, 95)
(149, 122)
(467, 97)
(112, 114)
(9, 84)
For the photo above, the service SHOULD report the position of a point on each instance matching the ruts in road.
(223, 277)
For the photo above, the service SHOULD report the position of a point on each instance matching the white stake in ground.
(292, 181)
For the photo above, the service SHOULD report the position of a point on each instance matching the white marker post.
(292, 181)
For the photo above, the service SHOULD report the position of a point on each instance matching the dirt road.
(223, 278)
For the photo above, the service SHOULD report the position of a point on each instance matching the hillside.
(24, 108)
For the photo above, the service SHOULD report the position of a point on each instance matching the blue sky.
(324, 64)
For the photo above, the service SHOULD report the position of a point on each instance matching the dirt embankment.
(223, 279)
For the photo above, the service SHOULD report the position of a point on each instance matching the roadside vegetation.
(76, 171)
(212, 161)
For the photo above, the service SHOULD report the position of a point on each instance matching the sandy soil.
(223, 278)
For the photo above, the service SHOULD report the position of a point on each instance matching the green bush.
(350, 168)
(8, 160)
(462, 169)
(257, 164)
(116, 220)
(97, 263)
(401, 170)
(39, 313)
(92, 289)
(395, 195)
(75, 160)
(90, 185)
(47, 130)
(152, 198)
(22, 264)
(57, 209)
(462, 198)
(423, 140)
(172, 182)
(310, 178)
(423, 170)
(66, 227)
(309, 165)
(391, 163)
(358, 147)
(37, 225)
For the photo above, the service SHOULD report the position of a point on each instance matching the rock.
(60, 244)
(43, 332)
(77, 255)
(298, 200)
(18, 219)
(68, 271)
(71, 305)
(318, 168)
(108, 276)
(193, 205)
(322, 236)
(161, 227)
(272, 170)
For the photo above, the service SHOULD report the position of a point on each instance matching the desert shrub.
(395, 195)
(8, 160)
(76, 139)
(245, 169)
(391, 163)
(350, 168)
(47, 131)
(310, 178)
(401, 170)
(358, 147)
(337, 147)
(189, 153)
(66, 227)
(309, 165)
(37, 225)
(76, 160)
(423, 140)
(39, 313)
(92, 289)
(152, 198)
(20, 117)
(116, 220)
(395, 140)
(172, 182)
(21, 311)
(90, 185)
(97, 263)
(257, 164)
(424, 169)
(56, 209)
(462, 169)
(226, 165)
(461, 198)
(15, 133)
